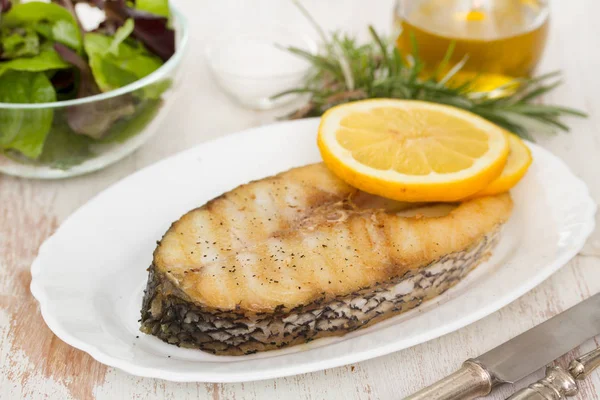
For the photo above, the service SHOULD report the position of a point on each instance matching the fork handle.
(556, 385)
(583, 366)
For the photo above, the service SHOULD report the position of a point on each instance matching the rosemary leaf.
(349, 71)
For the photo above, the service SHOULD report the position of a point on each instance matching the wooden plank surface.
(34, 364)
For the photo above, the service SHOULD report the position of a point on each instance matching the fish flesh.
(302, 255)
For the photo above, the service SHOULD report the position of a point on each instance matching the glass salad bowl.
(45, 132)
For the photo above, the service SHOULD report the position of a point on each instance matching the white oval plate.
(90, 275)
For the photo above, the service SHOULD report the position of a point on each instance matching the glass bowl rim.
(140, 83)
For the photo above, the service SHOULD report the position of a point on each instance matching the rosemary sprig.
(378, 70)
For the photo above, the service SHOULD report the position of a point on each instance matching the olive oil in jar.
(503, 37)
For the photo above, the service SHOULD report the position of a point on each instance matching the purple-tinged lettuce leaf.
(126, 128)
(95, 3)
(107, 27)
(5, 5)
(64, 83)
(152, 30)
(93, 119)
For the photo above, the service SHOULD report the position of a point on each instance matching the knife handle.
(557, 385)
(469, 382)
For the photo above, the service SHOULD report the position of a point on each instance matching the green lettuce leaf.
(44, 29)
(47, 59)
(66, 33)
(19, 42)
(112, 70)
(156, 89)
(32, 12)
(25, 130)
(157, 7)
(121, 34)
(108, 76)
(64, 27)
(65, 148)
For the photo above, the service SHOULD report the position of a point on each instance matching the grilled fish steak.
(302, 255)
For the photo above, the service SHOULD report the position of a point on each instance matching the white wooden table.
(34, 364)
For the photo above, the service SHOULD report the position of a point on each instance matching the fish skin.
(171, 316)
(303, 236)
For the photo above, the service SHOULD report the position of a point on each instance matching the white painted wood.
(35, 365)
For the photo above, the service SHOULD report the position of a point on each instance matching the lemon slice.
(411, 150)
(519, 160)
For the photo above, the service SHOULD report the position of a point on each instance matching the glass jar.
(505, 37)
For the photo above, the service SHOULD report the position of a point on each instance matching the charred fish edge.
(167, 314)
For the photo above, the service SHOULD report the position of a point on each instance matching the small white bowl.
(252, 67)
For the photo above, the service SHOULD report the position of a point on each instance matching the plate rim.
(315, 365)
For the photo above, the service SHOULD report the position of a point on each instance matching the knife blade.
(520, 356)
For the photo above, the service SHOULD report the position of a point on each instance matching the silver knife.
(520, 356)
